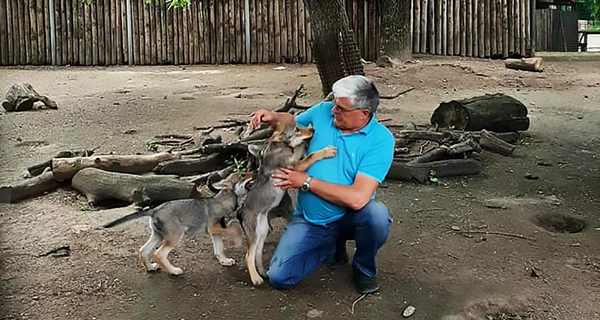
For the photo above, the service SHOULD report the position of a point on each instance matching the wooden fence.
(472, 28)
(113, 32)
(557, 30)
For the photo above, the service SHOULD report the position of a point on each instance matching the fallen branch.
(397, 94)
(291, 101)
(496, 233)
(212, 176)
(229, 124)
(29, 187)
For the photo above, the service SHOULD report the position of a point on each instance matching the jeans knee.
(278, 279)
(376, 215)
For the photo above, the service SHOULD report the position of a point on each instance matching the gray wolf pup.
(171, 220)
(285, 149)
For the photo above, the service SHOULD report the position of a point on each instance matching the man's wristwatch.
(306, 184)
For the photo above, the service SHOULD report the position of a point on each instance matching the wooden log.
(424, 26)
(527, 64)
(66, 168)
(420, 172)
(416, 26)
(206, 164)
(98, 185)
(434, 154)
(37, 169)
(492, 143)
(22, 97)
(28, 188)
(495, 112)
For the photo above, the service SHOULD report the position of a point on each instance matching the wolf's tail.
(131, 216)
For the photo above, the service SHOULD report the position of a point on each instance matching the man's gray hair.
(361, 91)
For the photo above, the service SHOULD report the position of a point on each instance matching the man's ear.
(254, 150)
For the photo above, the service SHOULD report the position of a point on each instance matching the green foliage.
(588, 9)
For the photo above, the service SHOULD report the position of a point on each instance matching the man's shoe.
(340, 260)
(365, 284)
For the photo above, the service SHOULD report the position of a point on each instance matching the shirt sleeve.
(378, 160)
(309, 116)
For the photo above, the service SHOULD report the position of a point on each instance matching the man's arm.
(355, 196)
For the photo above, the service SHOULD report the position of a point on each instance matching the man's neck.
(353, 130)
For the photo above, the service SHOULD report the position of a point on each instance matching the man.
(336, 196)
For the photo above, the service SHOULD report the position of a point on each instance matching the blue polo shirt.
(369, 151)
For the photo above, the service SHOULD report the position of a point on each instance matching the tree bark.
(396, 36)
(98, 185)
(334, 48)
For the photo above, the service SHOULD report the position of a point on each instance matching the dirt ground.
(425, 264)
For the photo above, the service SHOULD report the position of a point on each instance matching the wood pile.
(189, 165)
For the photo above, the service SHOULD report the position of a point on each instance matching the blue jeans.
(304, 246)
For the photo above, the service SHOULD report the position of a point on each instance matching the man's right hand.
(260, 116)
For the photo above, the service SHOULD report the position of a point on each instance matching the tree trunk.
(334, 48)
(396, 36)
(29, 187)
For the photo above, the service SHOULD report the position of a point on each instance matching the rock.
(409, 311)
(314, 313)
(531, 176)
(455, 228)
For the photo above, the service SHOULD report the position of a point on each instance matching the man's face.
(345, 117)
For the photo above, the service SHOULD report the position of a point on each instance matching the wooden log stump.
(494, 112)
(66, 168)
(22, 97)
(527, 64)
(98, 185)
(29, 187)
(419, 172)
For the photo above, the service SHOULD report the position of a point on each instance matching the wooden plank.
(65, 32)
(196, 31)
(201, 32)
(488, 27)
(431, 18)
(505, 31)
(187, 44)
(492, 22)
(147, 34)
(21, 35)
(481, 28)
(150, 32)
(499, 29)
(27, 28)
(373, 20)
(511, 29)
(444, 26)
(10, 28)
(236, 35)
(4, 32)
(260, 32)
(41, 32)
(463, 27)
(74, 31)
(176, 41)
(277, 34)
(469, 28)
(100, 26)
(516, 26)
(118, 32)
(80, 32)
(423, 26)
(290, 31)
(170, 34)
(268, 30)
(108, 32)
(527, 29)
(87, 25)
(301, 32)
(523, 26)
(94, 25)
(309, 39)
(113, 32)
(439, 21)
(33, 45)
(416, 26)
(225, 28)
(450, 31)
(456, 25)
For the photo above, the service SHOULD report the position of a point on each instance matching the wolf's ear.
(254, 150)
(217, 185)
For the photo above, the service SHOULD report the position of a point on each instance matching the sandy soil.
(442, 274)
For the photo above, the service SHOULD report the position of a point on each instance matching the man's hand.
(260, 116)
(290, 179)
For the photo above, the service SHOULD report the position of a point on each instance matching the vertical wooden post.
(52, 32)
(129, 35)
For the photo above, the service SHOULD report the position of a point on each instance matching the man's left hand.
(290, 179)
